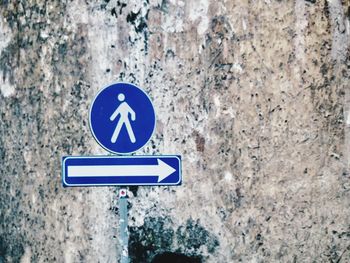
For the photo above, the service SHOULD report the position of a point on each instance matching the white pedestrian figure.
(123, 110)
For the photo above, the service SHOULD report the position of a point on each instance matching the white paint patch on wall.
(340, 39)
(69, 252)
(198, 11)
(347, 129)
(6, 89)
(299, 40)
(5, 34)
(339, 52)
(172, 24)
(26, 258)
(228, 176)
(77, 14)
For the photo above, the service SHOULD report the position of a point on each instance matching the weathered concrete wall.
(253, 94)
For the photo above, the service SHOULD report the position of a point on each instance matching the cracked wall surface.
(253, 94)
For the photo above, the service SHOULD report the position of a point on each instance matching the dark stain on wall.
(175, 258)
(155, 238)
(200, 142)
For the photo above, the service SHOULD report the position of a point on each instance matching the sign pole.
(123, 223)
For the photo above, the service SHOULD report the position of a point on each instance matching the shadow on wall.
(168, 257)
(153, 241)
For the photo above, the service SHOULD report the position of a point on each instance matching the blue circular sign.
(122, 118)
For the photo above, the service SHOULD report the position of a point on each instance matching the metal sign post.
(123, 223)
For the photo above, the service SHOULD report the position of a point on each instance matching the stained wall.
(253, 94)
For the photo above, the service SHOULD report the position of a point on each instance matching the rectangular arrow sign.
(121, 170)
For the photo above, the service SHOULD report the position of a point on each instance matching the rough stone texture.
(253, 94)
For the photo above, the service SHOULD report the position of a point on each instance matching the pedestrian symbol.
(122, 118)
(123, 110)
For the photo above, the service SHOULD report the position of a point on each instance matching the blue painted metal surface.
(121, 170)
(122, 118)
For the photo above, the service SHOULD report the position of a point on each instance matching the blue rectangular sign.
(121, 170)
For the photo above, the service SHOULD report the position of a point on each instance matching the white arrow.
(162, 170)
